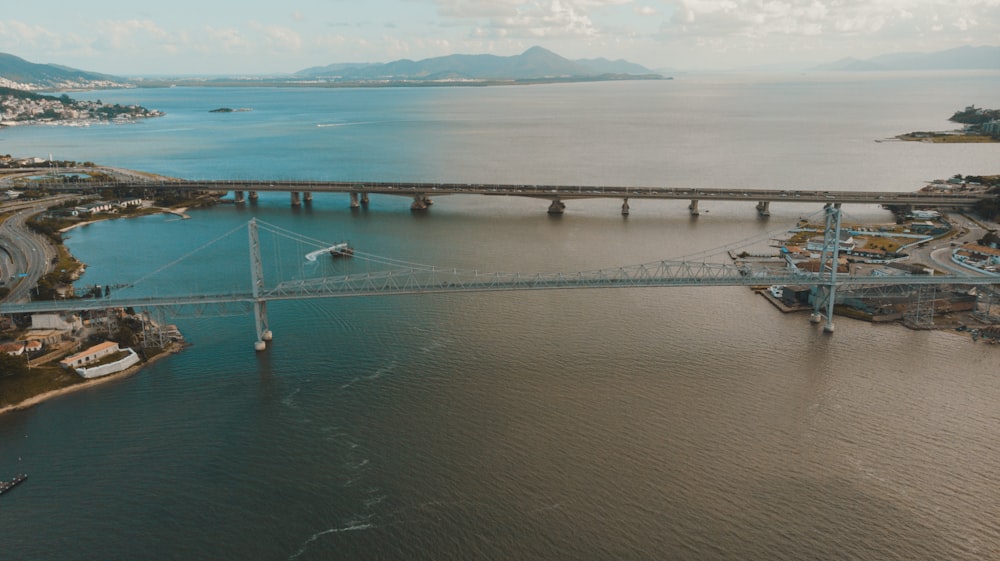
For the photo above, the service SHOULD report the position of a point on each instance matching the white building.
(91, 355)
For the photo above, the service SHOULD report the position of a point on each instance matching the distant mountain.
(961, 58)
(15, 72)
(536, 63)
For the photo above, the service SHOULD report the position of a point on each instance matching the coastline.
(171, 349)
(180, 212)
(30, 402)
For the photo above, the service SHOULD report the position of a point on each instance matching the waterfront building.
(93, 354)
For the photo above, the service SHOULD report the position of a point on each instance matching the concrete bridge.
(421, 192)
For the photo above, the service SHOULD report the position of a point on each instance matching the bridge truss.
(396, 277)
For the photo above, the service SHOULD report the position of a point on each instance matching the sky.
(214, 37)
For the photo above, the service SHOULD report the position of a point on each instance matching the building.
(46, 336)
(925, 214)
(91, 355)
(33, 346)
(125, 203)
(13, 349)
(95, 208)
(846, 242)
(55, 321)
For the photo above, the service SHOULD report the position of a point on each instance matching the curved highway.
(25, 256)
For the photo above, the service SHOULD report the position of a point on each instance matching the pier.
(6, 486)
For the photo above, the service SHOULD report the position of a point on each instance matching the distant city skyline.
(183, 37)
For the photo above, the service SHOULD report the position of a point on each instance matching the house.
(13, 349)
(125, 203)
(95, 208)
(33, 346)
(91, 355)
(46, 336)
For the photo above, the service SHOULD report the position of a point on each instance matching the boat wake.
(335, 125)
(318, 535)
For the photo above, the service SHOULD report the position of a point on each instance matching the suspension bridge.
(387, 276)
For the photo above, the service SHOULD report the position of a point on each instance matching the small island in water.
(981, 125)
(230, 110)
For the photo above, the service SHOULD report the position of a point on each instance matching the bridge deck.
(966, 199)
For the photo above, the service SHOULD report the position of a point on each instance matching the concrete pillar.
(354, 200)
(625, 207)
(764, 208)
(693, 207)
(238, 197)
(254, 196)
(419, 202)
(308, 197)
(557, 206)
(364, 199)
(296, 201)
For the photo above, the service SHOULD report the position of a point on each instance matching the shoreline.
(171, 349)
(180, 212)
(30, 402)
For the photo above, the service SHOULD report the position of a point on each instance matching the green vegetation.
(21, 382)
(973, 115)
(988, 208)
(947, 138)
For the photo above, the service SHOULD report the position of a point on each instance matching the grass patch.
(18, 387)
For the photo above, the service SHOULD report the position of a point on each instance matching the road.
(24, 255)
(937, 253)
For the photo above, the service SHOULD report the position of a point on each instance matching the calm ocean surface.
(677, 423)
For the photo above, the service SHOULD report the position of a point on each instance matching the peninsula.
(981, 125)
(20, 107)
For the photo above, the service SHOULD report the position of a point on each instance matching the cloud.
(761, 18)
(528, 19)
(276, 37)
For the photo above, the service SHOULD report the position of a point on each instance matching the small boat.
(336, 250)
(341, 250)
(8, 485)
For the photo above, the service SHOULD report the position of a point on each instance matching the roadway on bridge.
(130, 178)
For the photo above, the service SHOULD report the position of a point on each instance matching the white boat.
(336, 250)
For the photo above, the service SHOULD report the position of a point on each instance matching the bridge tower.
(257, 278)
(824, 295)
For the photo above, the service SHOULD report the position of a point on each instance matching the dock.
(8, 485)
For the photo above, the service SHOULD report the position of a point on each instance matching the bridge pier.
(354, 200)
(625, 207)
(693, 207)
(764, 208)
(238, 197)
(419, 202)
(296, 201)
(307, 197)
(557, 206)
(254, 196)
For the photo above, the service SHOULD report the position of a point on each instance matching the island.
(230, 110)
(981, 125)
